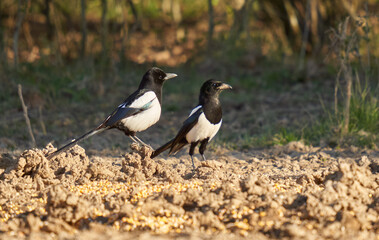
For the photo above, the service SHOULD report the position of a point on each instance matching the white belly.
(202, 130)
(144, 119)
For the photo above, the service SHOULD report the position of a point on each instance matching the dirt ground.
(291, 192)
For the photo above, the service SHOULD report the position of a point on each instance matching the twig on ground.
(27, 120)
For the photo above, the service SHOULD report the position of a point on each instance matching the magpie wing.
(180, 139)
(125, 110)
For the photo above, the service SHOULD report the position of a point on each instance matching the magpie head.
(213, 88)
(155, 76)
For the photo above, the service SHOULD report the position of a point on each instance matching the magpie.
(202, 124)
(138, 112)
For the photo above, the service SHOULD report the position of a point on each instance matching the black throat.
(212, 108)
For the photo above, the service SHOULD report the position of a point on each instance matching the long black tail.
(75, 141)
(162, 149)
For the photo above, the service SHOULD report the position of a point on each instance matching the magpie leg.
(193, 164)
(191, 151)
(203, 146)
(140, 141)
(134, 140)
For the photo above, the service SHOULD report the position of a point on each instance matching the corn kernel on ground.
(165, 218)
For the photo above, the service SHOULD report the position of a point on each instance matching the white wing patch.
(203, 129)
(194, 110)
(144, 119)
(142, 100)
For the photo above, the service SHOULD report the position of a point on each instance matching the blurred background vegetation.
(301, 69)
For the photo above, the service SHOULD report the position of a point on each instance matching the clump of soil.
(70, 165)
(348, 201)
(140, 167)
(293, 191)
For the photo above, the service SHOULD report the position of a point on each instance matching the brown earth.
(291, 192)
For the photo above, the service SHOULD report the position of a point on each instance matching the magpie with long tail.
(138, 112)
(202, 124)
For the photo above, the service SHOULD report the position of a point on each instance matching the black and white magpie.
(202, 124)
(138, 112)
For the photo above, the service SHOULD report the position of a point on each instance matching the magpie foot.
(139, 142)
(144, 144)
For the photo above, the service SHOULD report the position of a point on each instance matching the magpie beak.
(169, 76)
(224, 86)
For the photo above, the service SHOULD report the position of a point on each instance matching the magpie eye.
(214, 84)
(160, 77)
